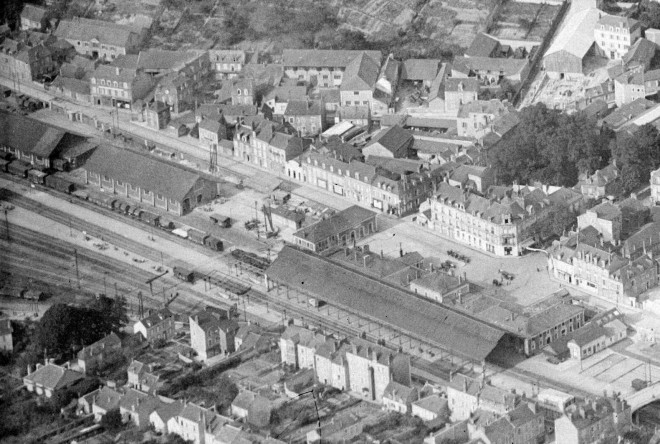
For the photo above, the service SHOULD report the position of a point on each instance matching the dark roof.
(394, 139)
(420, 69)
(29, 135)
(53, 376)
(360, 74)
(148, 173)
(642, 51)
(289, 214)
(303, 108)
(332, 282)
(483, 45)
(344, 220)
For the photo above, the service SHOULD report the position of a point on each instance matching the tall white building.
(615, 35)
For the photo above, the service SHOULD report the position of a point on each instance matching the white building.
(615, 35)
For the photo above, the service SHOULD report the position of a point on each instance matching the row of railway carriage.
(54, 178)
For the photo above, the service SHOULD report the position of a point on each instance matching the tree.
(550, 147)
(64, 328)
(650, 14)
(112, 421)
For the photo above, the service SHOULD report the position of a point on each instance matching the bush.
(112, 421)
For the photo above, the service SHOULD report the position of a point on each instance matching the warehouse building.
(574, 41)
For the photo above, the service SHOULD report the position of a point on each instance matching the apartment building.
(119, 86)
(267, 145)
(497, 225)
(614, 35)
(585, 260)
(211, 334)
(227, 63)
(378, 187)
(475, 119)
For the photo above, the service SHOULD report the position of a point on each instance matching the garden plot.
(523, 21)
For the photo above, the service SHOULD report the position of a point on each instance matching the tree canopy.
(64, 328)
(551, 147)
(637, 155)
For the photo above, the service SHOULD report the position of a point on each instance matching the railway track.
(135, 278)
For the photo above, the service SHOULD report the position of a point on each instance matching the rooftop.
(87, 30)
(53, 377)
(330, 281)
(148, 173)
(330, 58)
(420, 69)
(342, 221)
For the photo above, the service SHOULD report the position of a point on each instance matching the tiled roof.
(420, 69)
(587, 334)
(227, 55)
(642, 50)
(627, 112)
(361, 74)
(163, 60)
(33, 13)
(136, 367)
(314, 58)
(394, 139)
(104, 344)
(157, 317)
(53, 376)
(439, 281)
(483, 45)
(113, 73)
(606, 211)
(107, 398)
(398, 392)
(507, 67)
(494, 107)
(454, 84)
(303, 108)
(148, 173)
(576, 36)
(29, 135)
(433, 403)
(86, 30)
(286, 93)
(344, 220)
(167, 411)
(330, 281)
(618, 21)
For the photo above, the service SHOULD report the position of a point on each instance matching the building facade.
(615, 35)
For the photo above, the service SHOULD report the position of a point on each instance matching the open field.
(456, 21)
(523, 21)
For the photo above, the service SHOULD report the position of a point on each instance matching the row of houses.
(190, 421)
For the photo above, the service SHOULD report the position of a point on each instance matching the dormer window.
(238, 91)
(245, 92)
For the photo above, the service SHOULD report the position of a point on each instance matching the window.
(238, 91)
(355, 93)
(159, 196)
(102, 82)
(119, 183)
(115, 84)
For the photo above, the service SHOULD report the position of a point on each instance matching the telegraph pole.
(7, 224)
(75, 252)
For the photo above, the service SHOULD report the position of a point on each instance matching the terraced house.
(397, 193)
(120, 84)
(324, 68)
